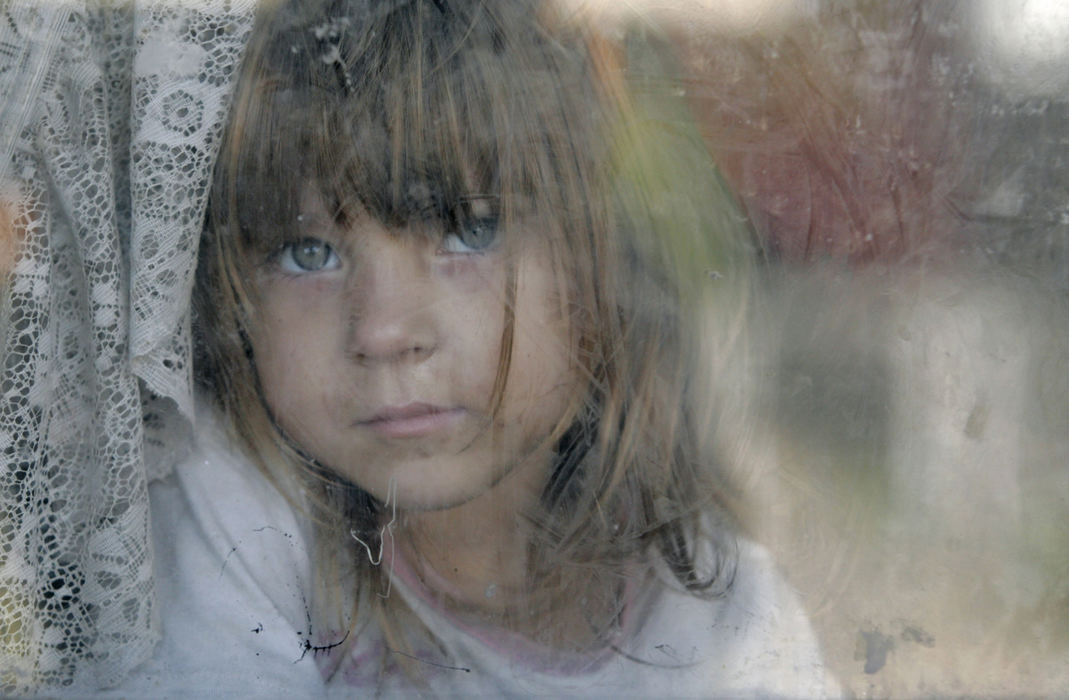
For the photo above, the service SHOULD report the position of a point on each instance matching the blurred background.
(902, 440)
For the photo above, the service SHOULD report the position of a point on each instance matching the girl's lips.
(412, 420)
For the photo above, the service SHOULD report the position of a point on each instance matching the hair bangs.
(449, 119)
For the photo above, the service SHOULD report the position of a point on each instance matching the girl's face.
(378, 354)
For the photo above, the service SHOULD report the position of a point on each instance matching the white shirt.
(234, 572)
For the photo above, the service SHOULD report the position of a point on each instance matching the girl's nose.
(392, 316)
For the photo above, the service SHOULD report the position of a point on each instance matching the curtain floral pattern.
(110, 113)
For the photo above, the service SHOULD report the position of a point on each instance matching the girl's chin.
(445, 486)
(436, 475)
(429, 486)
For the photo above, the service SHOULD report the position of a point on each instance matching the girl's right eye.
(308, 255)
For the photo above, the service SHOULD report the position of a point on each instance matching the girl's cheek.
(299, 298)
(291, 312)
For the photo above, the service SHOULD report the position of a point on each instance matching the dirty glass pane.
(571, 347)
(903, 166)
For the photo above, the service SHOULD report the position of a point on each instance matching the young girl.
(450, 303)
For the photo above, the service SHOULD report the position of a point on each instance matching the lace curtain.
(110, 114)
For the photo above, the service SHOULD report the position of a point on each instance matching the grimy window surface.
(887, 374)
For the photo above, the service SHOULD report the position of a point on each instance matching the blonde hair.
(396, 108)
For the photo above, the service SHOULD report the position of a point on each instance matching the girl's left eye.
(308, 255)
(472, 225)
(471, 235)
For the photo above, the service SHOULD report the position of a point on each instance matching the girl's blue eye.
(471, 236)
(474, 226)
(308, 255)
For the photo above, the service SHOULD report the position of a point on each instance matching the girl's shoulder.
(754, 639)
(232, 568)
